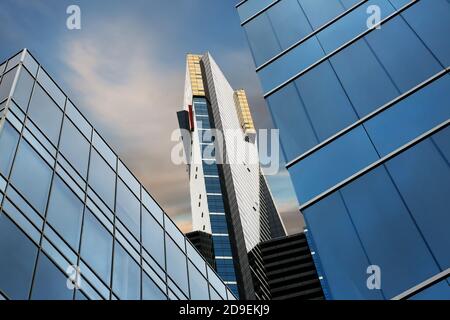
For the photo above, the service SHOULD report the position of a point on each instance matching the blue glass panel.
(8, 143)
(96, 246)
(215, 203)
(351, 25)
(29, 164)
(339, 250)
(45, 114)
(150, 290)
(332, 164)
(320, 12)
(102, 178)
(65, 212)
(388, 233)
(75, 147)
(22, 92)
(432, 25)
(290, 64)
(18, 256)
(152, 237)
(198, 284)
(177, 265)
(363, 77)
(439, 291)
(212, 185)
(6, 84)
(262, 39)
(128, 209)
(126, 276)
(423, 179)
(251, 7)
(289, 115)
(49, 282)
(289, 22)
(411, 117)
(329, 110)
(401, 52)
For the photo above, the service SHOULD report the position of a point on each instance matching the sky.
(125, 69)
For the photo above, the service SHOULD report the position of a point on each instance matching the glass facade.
(219, 225)
(70, 209)
(363, 115)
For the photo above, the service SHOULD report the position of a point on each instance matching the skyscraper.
(360, 93)
(229, 196)
(72, 216)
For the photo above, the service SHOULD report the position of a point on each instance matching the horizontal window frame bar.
(339, 49)
(368, 117)
(375, 164)
(259, 12)
(312, 34)
(423, 285)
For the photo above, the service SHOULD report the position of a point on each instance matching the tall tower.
(360, 93)
(229, 196)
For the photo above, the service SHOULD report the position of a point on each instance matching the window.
(65, 213)
(407, 60)
(18, 255)
(104, 150)
(126, 277)
(218, 224)
(426, 191)
(45, 114)
(8, 143)
(129, 179)
(49, 282)
(262, 39)
(289, 22)
(6, 84)
(79, 120)
(290, 117)
(96, 246)
(75, 147)
(128, 209)
(332, 164)
(363, 77)
(320, 12)
(252, 7)
(150, 290)
(216, 283)
(23, 89)
(212, 185)
(215, 203)
(153, 237)
(429, 26)
(29, 167)
(102, 178)
(198, 284)
(176, 265)
(51, 88)
(152, 206)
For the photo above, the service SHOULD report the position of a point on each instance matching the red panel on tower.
(191, 118)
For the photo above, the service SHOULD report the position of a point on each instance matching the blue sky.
(125, 70)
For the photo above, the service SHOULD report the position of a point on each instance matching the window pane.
(96, 246)
(332, 164)
(8, 143)
(18, 255)
(126, 278)
(198, 284)
(75, 147)
(426, 193)
(102, 178)
(104, 150)
(128, 209)
(49, 282)
(150, 290)
(79, 120)
(65, 212)
(320, 12)
(289, 22)
(31, 176)
(363, 77)
(6, 84)
(252, 7)
(153, 237)
(45, 114)
(23, 89)
(176, 265)
(152, 206)
(129, 179)
(51, 88)
(289, 115)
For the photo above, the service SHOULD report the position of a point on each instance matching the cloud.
(119, 83)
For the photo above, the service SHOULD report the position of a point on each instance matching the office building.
(360, 93)
(229, 195)
(74, 221)
(288, 268)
